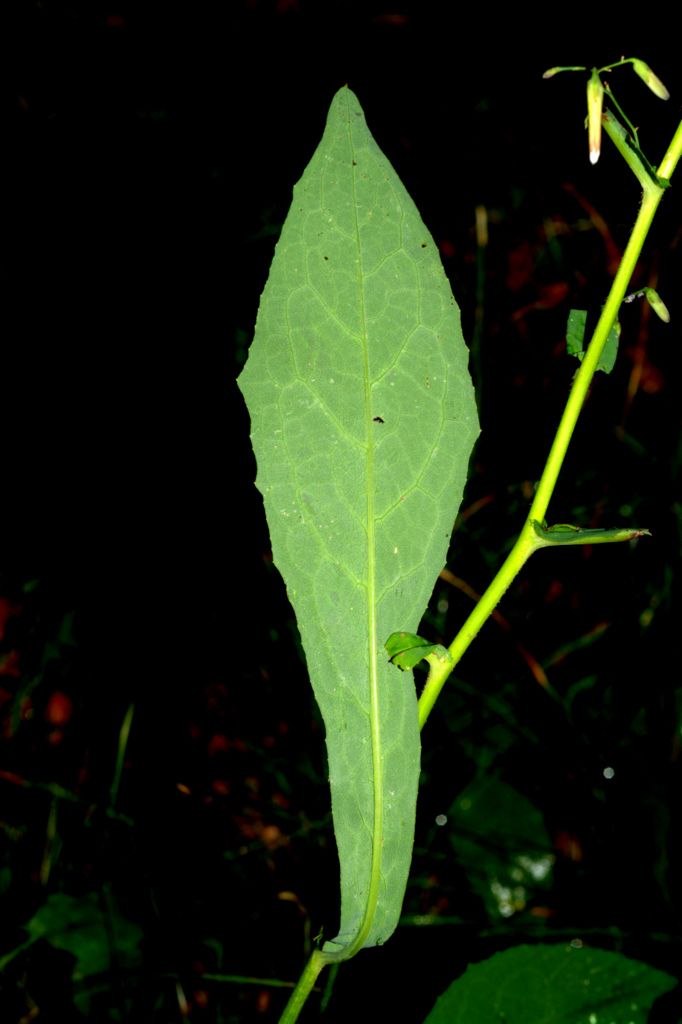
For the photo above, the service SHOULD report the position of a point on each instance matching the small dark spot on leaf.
(355, 163)
(325, 257)
(423, 245)
(378, 419)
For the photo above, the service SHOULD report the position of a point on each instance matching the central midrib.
(372, 640)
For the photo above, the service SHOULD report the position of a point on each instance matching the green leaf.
(501, 841)
(565, 534)
(575, 338)
(78, 925)
(362, 422)
(552, 984)
(607, 360)
(575, 332)
(406, 650)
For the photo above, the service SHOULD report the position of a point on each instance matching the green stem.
(304, 987)
(439, 673)
(529, 539)
(583, 379)
(671, 158)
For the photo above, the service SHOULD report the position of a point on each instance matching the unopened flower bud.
(652, 80)
(657, 304)
(551, 72)
(595, 97)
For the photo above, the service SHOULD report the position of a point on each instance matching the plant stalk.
(304, 987)
(528, 539)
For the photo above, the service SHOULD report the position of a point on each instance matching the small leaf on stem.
(565, 534)
(406, 650)
(575, 336)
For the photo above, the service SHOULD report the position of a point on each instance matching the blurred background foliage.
(167, 850)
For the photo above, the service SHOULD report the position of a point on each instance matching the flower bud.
(650, 79)
(595, 96)
(551, 72)
(657, 304)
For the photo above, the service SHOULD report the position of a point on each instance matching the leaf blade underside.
(362, 422)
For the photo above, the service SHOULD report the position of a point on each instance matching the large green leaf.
(552, 984)
(79, 925)
(362, 421)
(501, 841)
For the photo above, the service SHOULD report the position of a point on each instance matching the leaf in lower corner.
(589, 985)
(362, 422)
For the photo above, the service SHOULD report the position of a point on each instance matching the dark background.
(150, 151)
